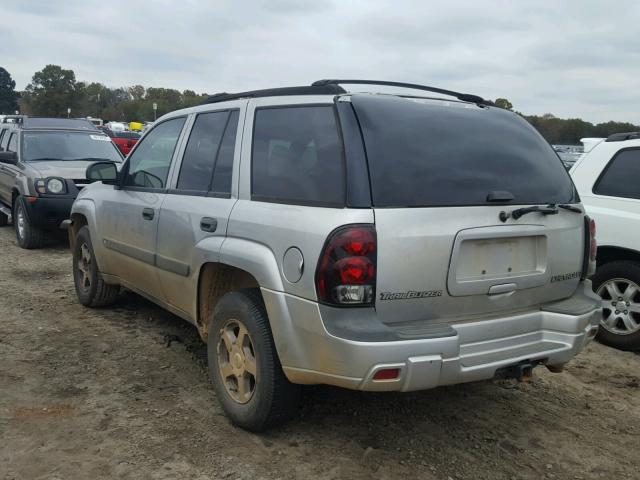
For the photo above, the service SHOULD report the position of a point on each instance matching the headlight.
(55, 185)
(52, 185)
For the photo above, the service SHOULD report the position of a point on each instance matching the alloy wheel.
(621, 306)
(237, 361)
(20, 221)
(85, 268)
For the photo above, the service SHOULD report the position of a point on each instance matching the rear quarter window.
(427, 153)
(297, 156)
(616, 181)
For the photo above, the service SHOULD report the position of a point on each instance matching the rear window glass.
(202, 149)
(297, 156)
(426, 153)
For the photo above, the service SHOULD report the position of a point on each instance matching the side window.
(615, 181)
(149, 164)
(2, 132)
(297, 156)
(224, 164)
(201, 152)
(13, 143)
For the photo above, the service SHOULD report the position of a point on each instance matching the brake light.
(346, 273)
(590, 248)
(593, 244)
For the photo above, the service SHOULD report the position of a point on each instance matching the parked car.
(43, 162)
(607, 180)
(372, 242)
(125, 141)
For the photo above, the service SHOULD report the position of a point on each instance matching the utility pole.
(155, 109)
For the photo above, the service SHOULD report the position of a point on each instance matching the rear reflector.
(387, 374)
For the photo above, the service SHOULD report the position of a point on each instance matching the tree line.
(54, 89)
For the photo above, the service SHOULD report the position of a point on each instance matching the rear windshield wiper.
(551, 209)
(569, 208)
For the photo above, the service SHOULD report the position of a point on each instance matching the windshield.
(41, 146)
(427, 153)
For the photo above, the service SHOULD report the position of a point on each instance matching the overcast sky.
(573, 58)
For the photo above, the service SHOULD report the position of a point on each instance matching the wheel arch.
(215, 279)
(240, 264)
(607, 254)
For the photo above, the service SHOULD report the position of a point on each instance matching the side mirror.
(105, 172)
(9, 157)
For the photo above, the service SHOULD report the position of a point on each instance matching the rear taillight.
(346, 273)
(593, 244)
(590, 247)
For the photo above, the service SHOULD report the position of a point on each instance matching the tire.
(269, 399)
(611, 281)
(27, 236)
(91, 289)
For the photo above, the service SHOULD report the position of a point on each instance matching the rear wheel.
(27, 235)
(91, 289)
(244, 364)
(618, 283)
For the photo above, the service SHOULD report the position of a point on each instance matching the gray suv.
(43, 162)
(378, 242)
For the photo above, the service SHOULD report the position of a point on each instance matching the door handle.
(148, 213)
(208, 224)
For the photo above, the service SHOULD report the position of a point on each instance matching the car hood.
(62, 168)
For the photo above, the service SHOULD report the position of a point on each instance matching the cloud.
(574, 59)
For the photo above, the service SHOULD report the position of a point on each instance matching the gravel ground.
(124, 393)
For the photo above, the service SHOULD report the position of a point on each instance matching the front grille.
(80, 183)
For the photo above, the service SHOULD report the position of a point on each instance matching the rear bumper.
(48, 212)
(474, 351)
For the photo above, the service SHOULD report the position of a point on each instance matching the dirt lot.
(124, 393)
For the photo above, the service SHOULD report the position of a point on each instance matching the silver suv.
(371, 241)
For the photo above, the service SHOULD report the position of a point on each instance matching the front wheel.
(244, 364)
(91, 289)
(618, 283)
(27, 236)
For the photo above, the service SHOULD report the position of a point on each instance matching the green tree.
(137, 92)
(52, 90)
(503, 103)
(8, 95)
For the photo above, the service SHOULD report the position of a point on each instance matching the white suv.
(607, 180)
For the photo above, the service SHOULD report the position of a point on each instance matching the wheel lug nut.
(617, 312)
(626, 312)
(620, 299)
(613, 303)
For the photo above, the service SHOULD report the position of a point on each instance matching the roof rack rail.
(621, 137)
(465, 97)
(276, 92)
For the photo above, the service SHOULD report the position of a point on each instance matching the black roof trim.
(277, 92)
(621, 137)
(465, 97)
